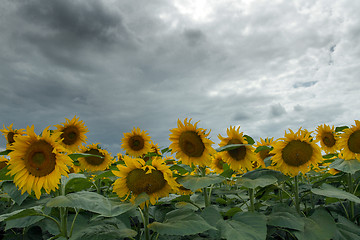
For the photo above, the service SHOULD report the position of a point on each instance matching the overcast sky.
(263, 65)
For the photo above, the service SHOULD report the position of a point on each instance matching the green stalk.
(351, 190)
(63, 213)
(296, 193)
(63, 221)
(72, 225)
(206, 194)
(146, 222)
(251, 195)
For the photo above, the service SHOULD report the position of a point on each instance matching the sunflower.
(154, 151)
(10, 134)
(136, 177)
(295, 153)
(136, 143)
(264, 153)
(191, 144)
(3, 162)
(349, 142)
(73, 134)
(327, 138)
(93, 163)
(38, 162)
(217, 163)
(239, 158)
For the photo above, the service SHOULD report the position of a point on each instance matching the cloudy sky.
(263, 65)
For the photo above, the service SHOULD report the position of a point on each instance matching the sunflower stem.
(63, 211)
(351, 190)
(146, 222)
(206, 194)
(251, 196)
(296, 193)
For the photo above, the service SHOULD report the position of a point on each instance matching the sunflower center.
(191, 144)
(10, 137)
(92, 160)
(219, 163)
(297, 153)
(264, 153)
(136, 143)
(354, 142)
(328, 139)
(40, 159)
(239, 153)
(138, 181)
(70, 135)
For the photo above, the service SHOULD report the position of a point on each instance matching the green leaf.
(230, 147)
(330, 155)
(265, 172)
(330, 191)
(227, 171)
(6, 152)
(196, 182)
(285, 220)
(249, 139)
(92, 202)
(14, 192)
(105, 174)
(181, 168)
(320, 225)
(341, 129)
(75, 156)
(23, 222)
(77, 185)
(261, 181)
(348, 166)
(3, 174)
(34, 211)
(346, 229)
(244, 226)
(262, 148)
(211, 215)
(181, 222)
(104, 231)
(165, 150)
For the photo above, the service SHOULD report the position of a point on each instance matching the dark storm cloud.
(76, 21)
(124, 64)
(68, 32)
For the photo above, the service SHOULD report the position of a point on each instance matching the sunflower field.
(304, 186)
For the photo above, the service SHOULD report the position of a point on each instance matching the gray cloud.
(277, 110)
(262, 66)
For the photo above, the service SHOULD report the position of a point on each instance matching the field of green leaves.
(303, 186)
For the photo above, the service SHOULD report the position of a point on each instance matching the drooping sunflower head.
(72, 133)
(295, 153)
(191, 144)
(10, 134)
(267, 145)
(37, 162)
(136, 177)
(136, 143)
(3, 162)
(154, 151)
(349, 142)
(241, 157)
(94, 163)
(327, 138)
(217, 163)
